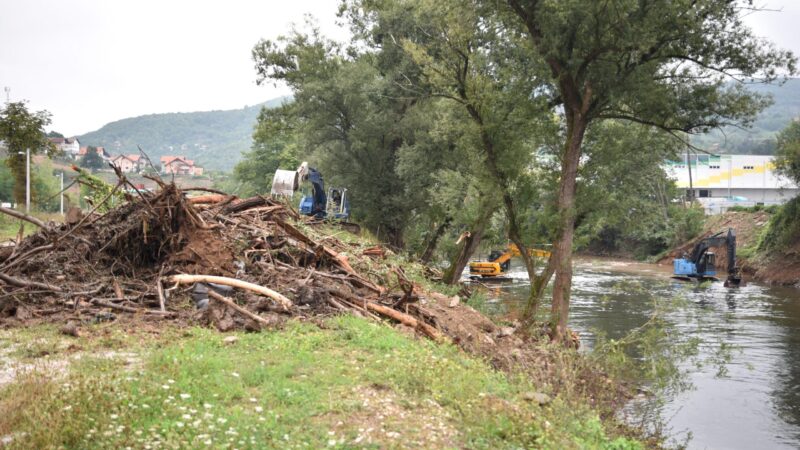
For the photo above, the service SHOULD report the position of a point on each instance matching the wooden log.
(25, 283)
(405, 319)
(161, 297)
(233, 282)
(241, 310)
(385, 311)
(339, 259)
(118, 290)
(209, 198)
(25, 217)
(244, 204)
(107, 304)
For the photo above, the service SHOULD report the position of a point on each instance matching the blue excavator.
(333, 204)
(700, 264)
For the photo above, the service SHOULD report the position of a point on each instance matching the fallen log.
(232, 304)
(209, 198)
(405, 319)
(25, 217)
(18, 282)
(233, 282)
(246, 203)
(107, 304)
(385, 311)
(339, 259)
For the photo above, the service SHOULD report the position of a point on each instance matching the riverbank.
(779, 268)
(344, 382)
(117, 354)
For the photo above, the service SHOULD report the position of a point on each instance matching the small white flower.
(186, 416)
(253, 399)
(67, 408)
(179, 424)
(114, 417)
(222, 420)
(145, 406)
(185, 396)
(164, 386)
(259, 409)
(171, 381)
(235, 374)
(207, 405)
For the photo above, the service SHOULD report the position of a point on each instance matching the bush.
(783, 229)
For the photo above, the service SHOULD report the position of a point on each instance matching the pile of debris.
(237, 264)
(232, 263)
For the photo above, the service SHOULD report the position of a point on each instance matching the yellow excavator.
(499, 262)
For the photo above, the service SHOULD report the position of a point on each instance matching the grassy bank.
(9, 226)
(347, 384)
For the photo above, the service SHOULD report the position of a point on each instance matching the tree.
(787, 153)
(274, 147)
(91, 160)
(677, 65)
(21, 130)
(351, 123)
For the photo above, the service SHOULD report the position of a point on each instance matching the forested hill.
(761, 138)
(214, 139)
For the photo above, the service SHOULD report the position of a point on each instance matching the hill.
(214, 139)
(760, 139)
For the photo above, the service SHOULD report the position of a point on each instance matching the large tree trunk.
(562, 251)
(470, 244)
(433, 241)
(16, 163)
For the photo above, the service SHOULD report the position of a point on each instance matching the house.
(179, 165)
(70, 146)
(129, 163)
(721, 181)
(101, 151)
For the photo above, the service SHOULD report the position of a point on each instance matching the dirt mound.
(783, 269)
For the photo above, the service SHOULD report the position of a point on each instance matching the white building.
(70, 146)
(722, 181)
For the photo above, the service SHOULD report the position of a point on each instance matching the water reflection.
(757, 403)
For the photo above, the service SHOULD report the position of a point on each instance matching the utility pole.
(691, 186)
(27, 181)
(62, 193)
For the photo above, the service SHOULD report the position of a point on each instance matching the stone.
(538, 397)
(70, 329)
(506, 331)
(230, 340)
(454, 301)
(73, 215)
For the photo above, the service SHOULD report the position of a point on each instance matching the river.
(755, 404)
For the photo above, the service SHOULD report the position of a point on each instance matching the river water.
(755, 404)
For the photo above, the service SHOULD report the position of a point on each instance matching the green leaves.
(21, 129)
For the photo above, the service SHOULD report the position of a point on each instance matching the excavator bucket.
(284, 182)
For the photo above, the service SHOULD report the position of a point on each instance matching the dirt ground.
(781, 269)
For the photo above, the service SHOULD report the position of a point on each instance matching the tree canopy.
(23, 130)
(440, 115)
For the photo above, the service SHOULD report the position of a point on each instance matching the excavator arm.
(498, 264)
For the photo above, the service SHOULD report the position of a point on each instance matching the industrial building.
(721, 181)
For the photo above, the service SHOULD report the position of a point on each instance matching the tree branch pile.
(227, 262)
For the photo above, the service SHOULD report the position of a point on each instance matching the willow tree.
(451, 50)
(677, 65)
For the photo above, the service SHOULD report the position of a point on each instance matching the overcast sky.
(90, 62)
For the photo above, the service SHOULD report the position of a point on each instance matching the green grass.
(348, 384)
(9, 226)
